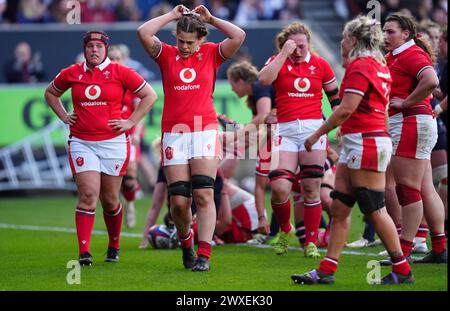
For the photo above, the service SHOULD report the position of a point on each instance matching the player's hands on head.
(70, 118)
(121, 125)
(205, 15)
(288, 47)
(179, 10)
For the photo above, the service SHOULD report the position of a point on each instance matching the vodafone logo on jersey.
(92, 92)
(187, 75)
(302, 84)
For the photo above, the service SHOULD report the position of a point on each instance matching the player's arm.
(332, 91)
(235, 35)
(349, 104)
(146, 32)
(270, 72)
(441, 106)
(147, 99)
(159, 196)
(52, 97)
(428, 81)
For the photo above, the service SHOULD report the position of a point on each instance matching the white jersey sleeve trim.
(140, 87)
(421, 70)
(57, 89)
(330, 81)
(354, 91)
(220, 52)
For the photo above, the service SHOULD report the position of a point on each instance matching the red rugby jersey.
(406, 63)
(370, 79)
(188, 87)
(298, 88)
(97, 96)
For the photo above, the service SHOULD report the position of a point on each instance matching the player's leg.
(434, 215)
(203, 173)
(281, 179)
(311, 173)
(88, 185)
(342, 204)
(112, 213)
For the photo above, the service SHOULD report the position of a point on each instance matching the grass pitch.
(36, 251)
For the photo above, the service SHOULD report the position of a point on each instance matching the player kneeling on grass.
(367, 149)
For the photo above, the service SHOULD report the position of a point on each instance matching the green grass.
(36, 260)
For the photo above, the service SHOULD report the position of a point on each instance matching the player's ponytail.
(409, 24)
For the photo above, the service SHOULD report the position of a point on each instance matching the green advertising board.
(24, 110)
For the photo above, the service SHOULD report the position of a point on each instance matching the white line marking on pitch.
(137, 235)
(62, 229)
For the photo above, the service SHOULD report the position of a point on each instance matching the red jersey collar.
(403, 47)
(102, 66)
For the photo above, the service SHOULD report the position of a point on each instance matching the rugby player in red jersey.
(99, 147)
(190, 145)
(414, 133)
(367, 148)
(298, 77)
(130, 185)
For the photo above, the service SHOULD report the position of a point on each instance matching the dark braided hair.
(408, 23)
(191, 23)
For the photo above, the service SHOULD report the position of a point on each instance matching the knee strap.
(311, 171)
(202, 182)
(282, 174)
(347, 199)
(182, 188)
(368, 200)
(407, 195)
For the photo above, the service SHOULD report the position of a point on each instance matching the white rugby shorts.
(413, 136)
(291, 136)
(109, 156)
(367, 151)
(179, 148)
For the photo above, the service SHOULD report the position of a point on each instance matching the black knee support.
(282, 174)
(182, 188)
(347, 199)
(202, 182)
(311, 171)
(368, 200)
(325, 185)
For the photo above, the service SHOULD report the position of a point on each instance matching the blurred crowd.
(435, 10)
(108, 11)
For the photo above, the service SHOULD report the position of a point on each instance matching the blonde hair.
(292, 29)
(369, 38)
(242, 70)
